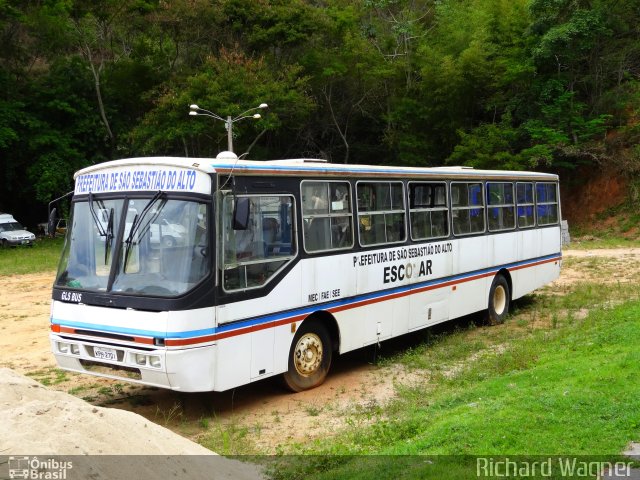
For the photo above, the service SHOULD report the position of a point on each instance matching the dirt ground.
(272, 415)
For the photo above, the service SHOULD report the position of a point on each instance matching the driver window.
(252, 256)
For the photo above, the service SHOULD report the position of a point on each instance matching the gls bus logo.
(71, 297)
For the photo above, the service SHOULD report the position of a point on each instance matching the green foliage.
(522, 84)
(490, 146)
(43, 256)
(227, 85)
(561, 385)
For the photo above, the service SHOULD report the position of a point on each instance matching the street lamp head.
(195, 110)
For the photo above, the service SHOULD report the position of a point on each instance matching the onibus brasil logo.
(36, 469)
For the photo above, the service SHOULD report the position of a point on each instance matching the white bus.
(206, 274)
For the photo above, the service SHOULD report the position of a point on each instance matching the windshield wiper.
(96, 220)
(109, 236)
(135, 225)
(108, 232)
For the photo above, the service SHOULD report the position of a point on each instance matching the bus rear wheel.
(309, 358)
(499, 301)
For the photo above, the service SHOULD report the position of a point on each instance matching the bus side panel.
(259, 359)
(503, 248)
(535, 243)
(350, 326)
(233, 362)
(283, 337)
(327, 278)
(282, 297)
(468, 295)
(550, 240)
(524, 280)
(472, 254)
(262, 352)
(429, 307)
(550, 243)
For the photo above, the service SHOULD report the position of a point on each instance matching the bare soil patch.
(268, 414)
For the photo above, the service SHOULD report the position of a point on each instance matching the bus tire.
(499, 300)
(309, 357)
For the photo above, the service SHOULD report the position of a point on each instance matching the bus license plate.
(104, 353)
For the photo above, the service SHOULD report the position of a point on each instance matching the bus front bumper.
(186, 370)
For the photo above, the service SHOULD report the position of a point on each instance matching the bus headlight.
(63, 347)
(141, 359)
(75, 349)
(154, 361)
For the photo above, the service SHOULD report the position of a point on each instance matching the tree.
(228, 85)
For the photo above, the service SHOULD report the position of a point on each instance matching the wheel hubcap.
(499, 299)
(308, 354)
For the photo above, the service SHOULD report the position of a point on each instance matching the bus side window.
(327, 215)
(525, 202)
(381, 212)
(547, 203)
(467, 208)
(429, 212)
(500, 202)
(253, 255)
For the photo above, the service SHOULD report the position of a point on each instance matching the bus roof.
(316, 167)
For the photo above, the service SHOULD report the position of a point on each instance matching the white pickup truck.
(12, 233)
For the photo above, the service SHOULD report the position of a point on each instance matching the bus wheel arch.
(499, 299)
(311, 352)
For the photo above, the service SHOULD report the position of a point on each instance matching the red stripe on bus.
(176, 342)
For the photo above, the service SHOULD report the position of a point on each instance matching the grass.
(613, 228)
(49, 376)
(603, 241)
(42, 257)
(554, 380)
(228, 438)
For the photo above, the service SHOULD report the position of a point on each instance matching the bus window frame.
(329, 215)
(556, 203)
(502, 205)
(446, 209)
(483, 207)
(532, 205)
(383, 213)
(222, 243)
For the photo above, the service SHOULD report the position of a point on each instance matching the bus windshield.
(162, 247)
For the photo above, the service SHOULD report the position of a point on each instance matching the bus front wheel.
(309, 358)
(499, 300)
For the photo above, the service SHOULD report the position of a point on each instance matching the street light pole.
(229, 126)
(228, 123)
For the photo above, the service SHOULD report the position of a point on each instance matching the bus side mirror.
(241, 213)
(51, 226)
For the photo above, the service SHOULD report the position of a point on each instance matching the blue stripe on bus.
(299, 311)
